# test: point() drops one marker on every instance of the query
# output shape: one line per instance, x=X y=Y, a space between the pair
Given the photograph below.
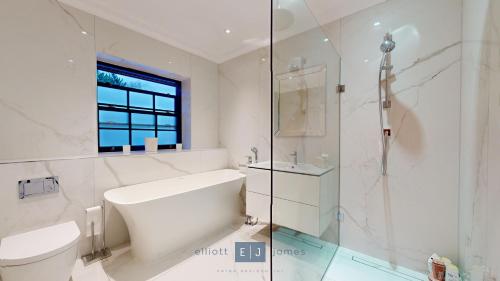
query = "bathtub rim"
x=108 y=195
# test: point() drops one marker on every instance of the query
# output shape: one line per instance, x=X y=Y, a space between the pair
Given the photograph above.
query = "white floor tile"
x=315 y=264
x=184 y=265
x=92 y=272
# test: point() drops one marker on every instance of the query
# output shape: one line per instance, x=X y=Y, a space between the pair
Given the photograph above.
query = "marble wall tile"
x=76 y=183
x=244 y=99
x=204 y=103
x=245 y=103
x=391 y=218
x=129 y=170
x=131 y=46
x=44 y=45
x=479 y=226
x=199 y=76
x=213 y=159
x=118 y=171
x=54 y=115
x=493 y=229
x=396 y=218
x=311 y=47
x=48 y=89
x=83 y=183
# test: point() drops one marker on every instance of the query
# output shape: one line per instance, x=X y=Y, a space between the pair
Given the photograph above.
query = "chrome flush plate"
x=37 y=187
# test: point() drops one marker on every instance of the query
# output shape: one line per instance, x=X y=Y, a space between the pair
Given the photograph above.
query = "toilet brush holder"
x=104 y=252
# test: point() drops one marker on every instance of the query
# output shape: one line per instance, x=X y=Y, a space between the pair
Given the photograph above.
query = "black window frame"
x=177 y=113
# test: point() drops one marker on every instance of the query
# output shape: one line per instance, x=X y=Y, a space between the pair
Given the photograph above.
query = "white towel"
x=94 y=214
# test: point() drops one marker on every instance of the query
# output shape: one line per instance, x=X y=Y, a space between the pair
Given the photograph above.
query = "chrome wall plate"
x=38 y=187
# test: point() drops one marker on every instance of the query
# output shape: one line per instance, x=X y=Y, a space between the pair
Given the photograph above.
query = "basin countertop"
x=300 y=168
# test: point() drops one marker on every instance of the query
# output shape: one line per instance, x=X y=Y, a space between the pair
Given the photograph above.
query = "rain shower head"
x=388 y=45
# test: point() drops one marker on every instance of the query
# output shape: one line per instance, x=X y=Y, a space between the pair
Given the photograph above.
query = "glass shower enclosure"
x=305 y=144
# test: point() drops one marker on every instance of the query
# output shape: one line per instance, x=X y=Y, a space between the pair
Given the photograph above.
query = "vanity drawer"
x=297 y=187
x=259 y=181
x=257 y=205
x=301 y=217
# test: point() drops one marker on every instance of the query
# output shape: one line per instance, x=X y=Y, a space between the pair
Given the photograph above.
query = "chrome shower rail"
x=387 y=46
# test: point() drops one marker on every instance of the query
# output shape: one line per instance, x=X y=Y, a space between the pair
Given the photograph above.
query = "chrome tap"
x=249 y=160
x=255 y=153
x=295 y=157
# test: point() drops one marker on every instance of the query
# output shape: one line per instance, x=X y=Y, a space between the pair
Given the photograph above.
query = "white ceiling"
x=198 y=26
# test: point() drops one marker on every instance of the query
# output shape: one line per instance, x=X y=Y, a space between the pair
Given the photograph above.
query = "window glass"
x=166 y=123
x=143 y=121
x=109 y=138
x=126 y=115
x=164 y=103
x=113 y=119
x=139 y=136
x=111 y=96
x=167 y=137
x=141 y=100
x=134 y=83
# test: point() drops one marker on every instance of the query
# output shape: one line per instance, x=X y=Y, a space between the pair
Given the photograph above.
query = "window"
x=133 y=105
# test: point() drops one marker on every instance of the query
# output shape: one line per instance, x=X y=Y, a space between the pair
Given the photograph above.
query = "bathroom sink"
x=300 y=168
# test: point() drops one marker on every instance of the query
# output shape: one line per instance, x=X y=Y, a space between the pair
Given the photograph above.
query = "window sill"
x=140 y=152
x=144 y=153
x=107 y=154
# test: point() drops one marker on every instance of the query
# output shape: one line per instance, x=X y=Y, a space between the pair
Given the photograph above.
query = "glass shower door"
x=306 y=139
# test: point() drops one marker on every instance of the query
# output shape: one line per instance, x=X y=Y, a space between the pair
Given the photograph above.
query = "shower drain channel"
x=300 y=239
x=385 y=269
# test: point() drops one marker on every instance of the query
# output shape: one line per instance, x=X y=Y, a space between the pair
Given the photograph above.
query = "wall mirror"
x=300 y=102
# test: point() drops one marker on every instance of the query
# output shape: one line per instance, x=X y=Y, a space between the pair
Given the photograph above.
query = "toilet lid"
x=38 y=245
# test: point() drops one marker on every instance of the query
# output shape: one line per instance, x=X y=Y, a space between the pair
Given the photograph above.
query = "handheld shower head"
x=388 y=45
x=385 y=65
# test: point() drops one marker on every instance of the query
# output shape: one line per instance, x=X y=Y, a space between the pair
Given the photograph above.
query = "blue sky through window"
x=111 y=96
x=136 y=83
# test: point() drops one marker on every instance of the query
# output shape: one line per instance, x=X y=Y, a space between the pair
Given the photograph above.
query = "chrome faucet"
x=249 y=160
x=295 y=157
x=255 y=153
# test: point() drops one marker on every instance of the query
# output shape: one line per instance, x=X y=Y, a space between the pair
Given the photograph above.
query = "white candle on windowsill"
x=178 y=147
x=126 y=149
x=151 y=144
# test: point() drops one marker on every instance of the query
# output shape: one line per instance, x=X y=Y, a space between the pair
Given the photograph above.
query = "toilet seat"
x=37 y=245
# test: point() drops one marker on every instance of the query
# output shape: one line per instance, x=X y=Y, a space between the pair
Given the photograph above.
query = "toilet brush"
x=104 y=252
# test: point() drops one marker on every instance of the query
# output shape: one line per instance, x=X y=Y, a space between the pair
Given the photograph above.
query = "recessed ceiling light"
x=263 y=59
x=170 y=62
x=84 y=32
x=325 y=40
x=377 y=23
x=366 y=60
x=227 y=31
x=71 y=61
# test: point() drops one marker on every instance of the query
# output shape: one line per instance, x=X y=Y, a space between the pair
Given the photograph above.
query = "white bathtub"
x=166 y=215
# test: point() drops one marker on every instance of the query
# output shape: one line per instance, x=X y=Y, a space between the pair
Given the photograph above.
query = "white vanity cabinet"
x=303 y=199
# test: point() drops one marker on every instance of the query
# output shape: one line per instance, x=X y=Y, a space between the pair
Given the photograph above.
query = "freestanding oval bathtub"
x=166 y=215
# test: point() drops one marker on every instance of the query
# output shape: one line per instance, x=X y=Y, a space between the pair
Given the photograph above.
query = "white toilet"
x=47 y=254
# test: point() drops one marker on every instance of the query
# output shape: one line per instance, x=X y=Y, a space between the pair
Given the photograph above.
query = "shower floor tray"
x=350 y=265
